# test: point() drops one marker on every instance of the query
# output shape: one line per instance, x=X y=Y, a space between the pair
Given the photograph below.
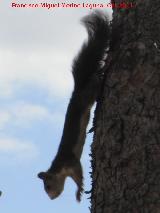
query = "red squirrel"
x=87 y=74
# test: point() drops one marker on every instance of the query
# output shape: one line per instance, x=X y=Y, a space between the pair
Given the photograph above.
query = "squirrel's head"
x=53 y=183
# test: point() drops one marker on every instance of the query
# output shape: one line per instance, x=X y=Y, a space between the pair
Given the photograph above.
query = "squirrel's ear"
x=42 y=175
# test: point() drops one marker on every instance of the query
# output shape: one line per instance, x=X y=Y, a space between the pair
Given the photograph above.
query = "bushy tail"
x=88 y=60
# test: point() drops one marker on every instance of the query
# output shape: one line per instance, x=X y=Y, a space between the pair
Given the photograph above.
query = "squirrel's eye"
x=48 y=187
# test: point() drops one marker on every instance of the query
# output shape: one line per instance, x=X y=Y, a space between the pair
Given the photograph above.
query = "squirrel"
x=87 y=75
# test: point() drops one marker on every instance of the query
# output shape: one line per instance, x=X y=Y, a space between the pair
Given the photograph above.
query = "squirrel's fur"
x=87 y=76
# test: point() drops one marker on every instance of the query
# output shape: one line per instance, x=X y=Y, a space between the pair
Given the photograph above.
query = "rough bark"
x=126 y=146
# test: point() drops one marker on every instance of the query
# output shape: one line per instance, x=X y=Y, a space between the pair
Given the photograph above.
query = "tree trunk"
x=126 y=146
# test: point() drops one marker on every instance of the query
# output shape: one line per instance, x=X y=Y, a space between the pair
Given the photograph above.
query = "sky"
x=37 y=46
